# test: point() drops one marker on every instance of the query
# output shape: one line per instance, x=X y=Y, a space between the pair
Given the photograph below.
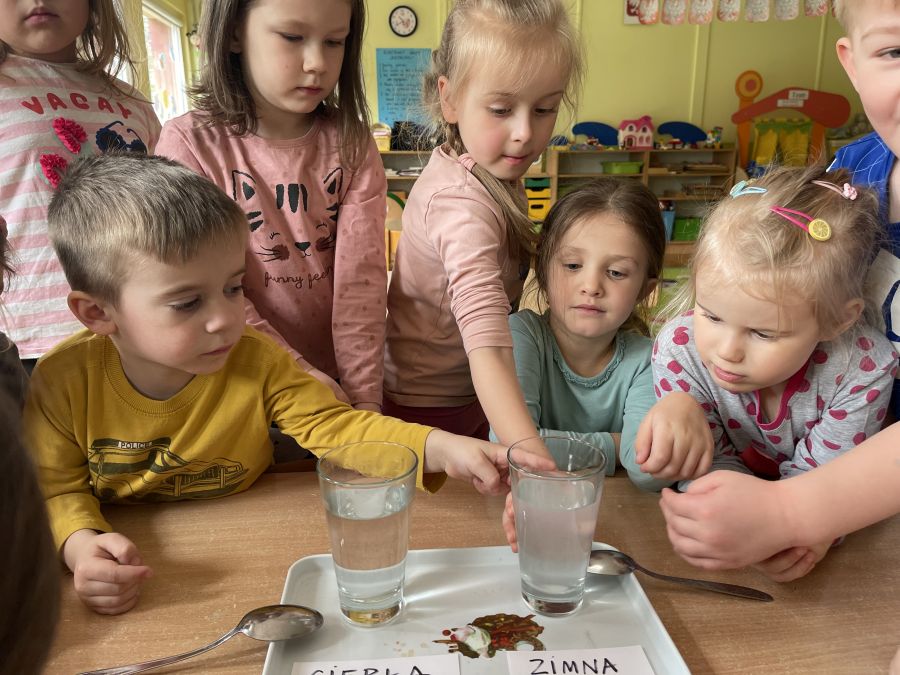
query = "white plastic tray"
x=448 y=588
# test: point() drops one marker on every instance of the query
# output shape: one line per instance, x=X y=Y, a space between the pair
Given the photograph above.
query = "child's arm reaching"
x=494 y=377
x=470 y=240
x=674 y=440
x=108 y=570
x=727 y=520
x=479 y=462
x=672 y=436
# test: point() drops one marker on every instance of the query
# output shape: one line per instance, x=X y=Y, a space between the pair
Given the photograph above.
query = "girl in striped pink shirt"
x=57 y=102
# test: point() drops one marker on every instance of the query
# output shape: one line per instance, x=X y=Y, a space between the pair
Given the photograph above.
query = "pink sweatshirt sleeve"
x=469 y=238
x=360 y=283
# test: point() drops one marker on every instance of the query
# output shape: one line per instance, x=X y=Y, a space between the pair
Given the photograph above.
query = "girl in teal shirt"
x=584 y=364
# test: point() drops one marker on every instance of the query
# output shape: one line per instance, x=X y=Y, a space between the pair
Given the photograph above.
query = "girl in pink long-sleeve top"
x=281 y=128
x=496 y=83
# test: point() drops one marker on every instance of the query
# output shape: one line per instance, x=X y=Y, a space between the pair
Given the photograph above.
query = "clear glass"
x=556 y=515
x=367 y=489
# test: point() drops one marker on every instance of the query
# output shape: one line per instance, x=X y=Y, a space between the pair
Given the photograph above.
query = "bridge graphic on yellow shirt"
x=148 y=471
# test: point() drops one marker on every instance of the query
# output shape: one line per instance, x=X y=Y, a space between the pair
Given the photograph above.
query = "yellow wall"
x=670 y=72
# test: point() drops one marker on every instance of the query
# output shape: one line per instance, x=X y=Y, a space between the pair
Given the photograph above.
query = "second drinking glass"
x=556 y=515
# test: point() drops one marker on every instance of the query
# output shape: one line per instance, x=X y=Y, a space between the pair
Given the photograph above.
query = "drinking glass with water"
x=556 y=515
x=367 y=488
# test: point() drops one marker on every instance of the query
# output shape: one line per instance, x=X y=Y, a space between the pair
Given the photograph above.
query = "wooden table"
x=215 y=560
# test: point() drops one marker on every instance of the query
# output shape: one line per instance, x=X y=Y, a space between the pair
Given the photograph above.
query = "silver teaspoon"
x=271 y=623
x=616 y=563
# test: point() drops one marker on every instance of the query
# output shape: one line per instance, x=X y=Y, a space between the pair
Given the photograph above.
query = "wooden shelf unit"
x=567 y=168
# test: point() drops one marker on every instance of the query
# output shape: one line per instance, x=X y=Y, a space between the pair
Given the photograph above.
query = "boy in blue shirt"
x=870 y=53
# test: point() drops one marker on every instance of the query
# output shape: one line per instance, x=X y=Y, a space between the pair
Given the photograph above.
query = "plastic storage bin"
x=622 y=167
x=383 y=143
x=669 y=221
x=536 y=183
x=538 y=208
x=542 y=193
x=686 y=229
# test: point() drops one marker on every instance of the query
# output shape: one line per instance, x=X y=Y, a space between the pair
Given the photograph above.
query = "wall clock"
x=403 y=20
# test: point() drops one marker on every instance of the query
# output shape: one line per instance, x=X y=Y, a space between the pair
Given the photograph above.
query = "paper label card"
x=445 y=664
x=612 y=661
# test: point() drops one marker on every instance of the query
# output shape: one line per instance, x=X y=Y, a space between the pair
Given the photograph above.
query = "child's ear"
x=852 y=311
x=94 y=314
x=448 y=110
x=845 y=56
x=649 y=287
x=235 y=45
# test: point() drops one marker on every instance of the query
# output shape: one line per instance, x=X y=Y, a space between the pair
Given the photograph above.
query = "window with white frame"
x=164 y=34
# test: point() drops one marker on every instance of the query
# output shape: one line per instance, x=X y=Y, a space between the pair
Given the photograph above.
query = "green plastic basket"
x=622 y=167
x=686 y=229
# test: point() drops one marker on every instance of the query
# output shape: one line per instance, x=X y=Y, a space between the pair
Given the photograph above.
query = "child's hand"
x=674 y=441
x=793 y=563
x=372 y=407
x=482 y=463
x=108 y=570
x=727 y=520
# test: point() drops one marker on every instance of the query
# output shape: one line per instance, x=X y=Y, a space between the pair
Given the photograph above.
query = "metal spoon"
x=616 y=563
x=271 y=623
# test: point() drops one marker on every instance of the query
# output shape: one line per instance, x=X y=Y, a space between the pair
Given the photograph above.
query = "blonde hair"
x=526 y=35
x=743 y=242
x=630 y=201
x=103 y=49
x=842 y=12
x=111 y=208
x=844 y=9
x=222 y=95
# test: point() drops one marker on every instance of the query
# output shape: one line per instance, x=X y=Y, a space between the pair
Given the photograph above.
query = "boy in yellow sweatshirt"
x=167 y=394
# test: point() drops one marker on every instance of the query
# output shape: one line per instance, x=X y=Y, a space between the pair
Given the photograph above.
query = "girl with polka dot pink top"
x=774 y=346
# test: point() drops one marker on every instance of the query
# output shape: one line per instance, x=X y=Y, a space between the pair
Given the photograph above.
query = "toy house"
x=636 y=134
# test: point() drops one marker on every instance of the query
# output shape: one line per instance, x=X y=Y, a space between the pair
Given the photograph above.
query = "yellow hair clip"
x=817 y=228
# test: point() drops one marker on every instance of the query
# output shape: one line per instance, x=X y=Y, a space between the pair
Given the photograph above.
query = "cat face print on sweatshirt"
x=310 y=215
